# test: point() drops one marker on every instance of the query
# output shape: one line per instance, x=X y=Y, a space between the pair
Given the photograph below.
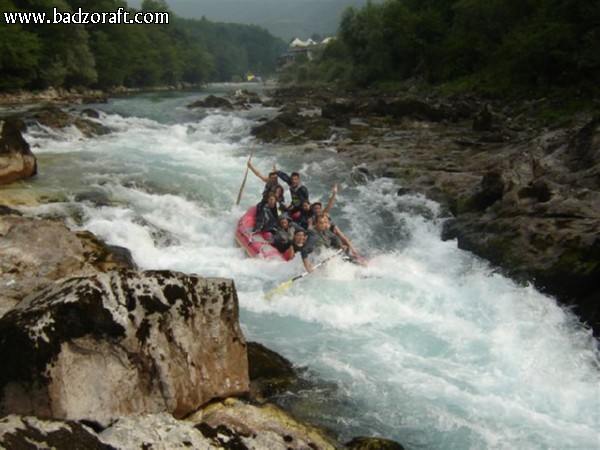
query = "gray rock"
x=35 y=253
x=56 y=118
x=17 y=162
x=369 y=443
x=259 y=427
x=230 y=424
x=212 y=101
x=25 y=433
x=100 y=347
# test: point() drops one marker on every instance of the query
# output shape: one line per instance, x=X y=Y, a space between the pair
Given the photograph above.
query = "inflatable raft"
x=255 y=244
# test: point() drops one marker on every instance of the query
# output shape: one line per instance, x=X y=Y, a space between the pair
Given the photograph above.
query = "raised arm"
x=256 y=172
x=331 y=201
x=284 y=176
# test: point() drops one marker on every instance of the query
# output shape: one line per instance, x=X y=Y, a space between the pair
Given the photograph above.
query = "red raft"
x=255 y=244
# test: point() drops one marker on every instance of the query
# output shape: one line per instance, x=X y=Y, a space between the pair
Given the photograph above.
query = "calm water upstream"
x=427 y=346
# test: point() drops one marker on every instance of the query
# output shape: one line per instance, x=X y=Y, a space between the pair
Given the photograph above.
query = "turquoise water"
x=428 y=345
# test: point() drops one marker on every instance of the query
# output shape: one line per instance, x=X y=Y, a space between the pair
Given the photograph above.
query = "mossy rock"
x=271 y=131
x=369 y=443
x=319 y=132
x=270 y=373
x=212 y=101
x=103 y=256
x=58 y=119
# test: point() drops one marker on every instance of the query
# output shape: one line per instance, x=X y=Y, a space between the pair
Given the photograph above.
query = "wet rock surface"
x=102 y=356
x=100 y=347
x=212 y=101
x=35 y=253
x=24 y=433
x=58 y=119
x=519 y=193
x=226 y=424
x=17 y=162
x=270 y=373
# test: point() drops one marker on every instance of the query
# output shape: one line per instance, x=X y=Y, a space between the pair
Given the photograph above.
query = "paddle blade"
x=239 y=197
x=282 y=287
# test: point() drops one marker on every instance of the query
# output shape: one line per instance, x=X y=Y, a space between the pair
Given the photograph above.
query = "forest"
x=103 y=56
x=495 y=47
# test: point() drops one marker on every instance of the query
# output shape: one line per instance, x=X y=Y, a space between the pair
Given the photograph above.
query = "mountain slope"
x=283 y=18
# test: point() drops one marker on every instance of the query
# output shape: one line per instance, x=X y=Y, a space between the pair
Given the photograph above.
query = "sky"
x=286 y=19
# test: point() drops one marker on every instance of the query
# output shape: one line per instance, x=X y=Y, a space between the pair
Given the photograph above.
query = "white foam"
x=434 y=346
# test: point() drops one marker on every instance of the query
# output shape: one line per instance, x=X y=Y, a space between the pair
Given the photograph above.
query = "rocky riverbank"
x=91 y=339
x=520 y=193
x=100 y=355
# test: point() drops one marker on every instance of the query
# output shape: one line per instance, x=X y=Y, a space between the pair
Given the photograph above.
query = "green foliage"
x=19 y=57
x=496 y=47
x=233 y=49
x=130 y=55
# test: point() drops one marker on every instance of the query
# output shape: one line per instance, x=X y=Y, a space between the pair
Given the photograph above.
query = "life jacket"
x=268 y=189
x=266 y=218
x=303 y=218
x=299 y=194
x=326 y=239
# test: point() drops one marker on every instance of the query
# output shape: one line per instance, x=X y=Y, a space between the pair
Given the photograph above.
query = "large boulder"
x=270 y=373
x=369 y=443
x=35 y=253
x=212 y=101
x=271 y=131
x=17 y=162
x=228 y=424
x=22 y=433
x=267 y=426
x=100 y=347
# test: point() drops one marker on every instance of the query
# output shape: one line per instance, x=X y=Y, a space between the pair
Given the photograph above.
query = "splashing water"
x=427 y=345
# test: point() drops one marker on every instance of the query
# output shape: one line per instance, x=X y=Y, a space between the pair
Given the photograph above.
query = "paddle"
x=288 y=283
x=239 y=198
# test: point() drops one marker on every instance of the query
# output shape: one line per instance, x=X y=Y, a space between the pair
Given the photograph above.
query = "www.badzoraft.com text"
x=120 y=16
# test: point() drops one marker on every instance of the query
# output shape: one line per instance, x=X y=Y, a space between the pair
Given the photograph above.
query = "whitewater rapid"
x=428 y=345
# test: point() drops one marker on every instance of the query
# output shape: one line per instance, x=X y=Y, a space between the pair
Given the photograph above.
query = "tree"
x=19 y=57
x=132 y=55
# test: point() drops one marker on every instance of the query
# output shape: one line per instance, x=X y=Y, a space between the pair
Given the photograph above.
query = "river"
x=428 y=345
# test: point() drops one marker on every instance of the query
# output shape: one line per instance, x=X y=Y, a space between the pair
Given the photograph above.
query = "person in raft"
x=298 y=191
x=266 y=215
x=284 y=235
x=317 y=209
x=271 y=181
x=321 y=237
x=280 y=196
x=306 y=217
x=299 y=247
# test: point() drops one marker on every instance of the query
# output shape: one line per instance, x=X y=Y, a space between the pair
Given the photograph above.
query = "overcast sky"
x=283 y=18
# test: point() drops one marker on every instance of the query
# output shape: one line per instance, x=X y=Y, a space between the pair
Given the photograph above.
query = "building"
x=298 y=48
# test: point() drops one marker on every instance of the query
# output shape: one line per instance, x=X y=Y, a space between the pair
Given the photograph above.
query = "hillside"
x=284 y=18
